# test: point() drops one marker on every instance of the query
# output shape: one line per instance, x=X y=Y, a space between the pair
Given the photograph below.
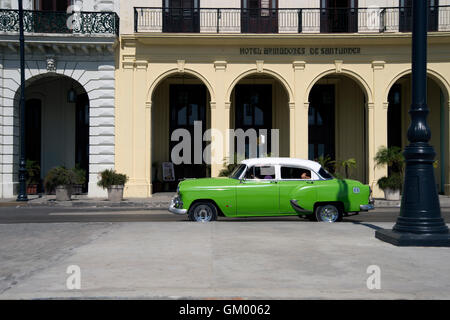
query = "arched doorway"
x=180 y=105
x=337 y=120
x=260 y=102
x=56 y=128
x=399 y=103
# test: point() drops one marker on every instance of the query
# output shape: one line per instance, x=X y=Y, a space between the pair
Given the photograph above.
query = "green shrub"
x=59 y=176
x=80 y=173
x=33 y=172
x=110 y=177
x=394 y=181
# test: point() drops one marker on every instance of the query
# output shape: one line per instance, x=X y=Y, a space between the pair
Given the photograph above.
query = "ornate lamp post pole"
x=420 y=222
x=22 y=196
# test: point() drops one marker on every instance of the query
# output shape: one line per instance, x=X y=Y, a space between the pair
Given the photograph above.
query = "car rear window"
x=325 y=174
x=295 y=173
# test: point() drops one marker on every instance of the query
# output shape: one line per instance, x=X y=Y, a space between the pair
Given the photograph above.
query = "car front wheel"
x=328 y=213
x=203 y=212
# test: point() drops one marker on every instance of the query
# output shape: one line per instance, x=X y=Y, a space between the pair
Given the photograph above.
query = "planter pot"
x=391 y=194
x=115 y=193
x=32 y=188
x=77 y=189
x=63 y=193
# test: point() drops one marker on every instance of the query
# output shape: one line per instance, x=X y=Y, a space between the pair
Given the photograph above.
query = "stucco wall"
x=95 y=74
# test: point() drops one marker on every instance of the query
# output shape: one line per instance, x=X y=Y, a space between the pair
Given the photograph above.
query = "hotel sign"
x=300 y=51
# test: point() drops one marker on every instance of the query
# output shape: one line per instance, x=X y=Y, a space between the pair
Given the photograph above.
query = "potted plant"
x=391 y=184
x=33 y=176
x=347 y=165
x=114 y=182
x=80 y=179
x=61 y=180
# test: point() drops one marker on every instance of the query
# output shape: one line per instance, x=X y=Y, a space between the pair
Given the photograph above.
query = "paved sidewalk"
x=158 y=200
x=224 y=259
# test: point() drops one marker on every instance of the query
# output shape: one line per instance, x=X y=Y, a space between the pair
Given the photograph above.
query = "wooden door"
x=259 y=16
x=181 y=16
x=338 y=16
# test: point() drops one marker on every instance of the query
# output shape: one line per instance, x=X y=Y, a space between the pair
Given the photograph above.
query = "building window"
x=52 y=5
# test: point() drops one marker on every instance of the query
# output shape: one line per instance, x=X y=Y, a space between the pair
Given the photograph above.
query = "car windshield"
x=237 y=172
x=325 y=174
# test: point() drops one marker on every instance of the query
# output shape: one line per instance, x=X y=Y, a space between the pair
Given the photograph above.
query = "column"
x=377 y=123
x=299 y=112
x=139 y=184
x=124 y=112
x=220 y=117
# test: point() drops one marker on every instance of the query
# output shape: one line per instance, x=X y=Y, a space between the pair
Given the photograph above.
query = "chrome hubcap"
x=203 y=213
x=329 y=214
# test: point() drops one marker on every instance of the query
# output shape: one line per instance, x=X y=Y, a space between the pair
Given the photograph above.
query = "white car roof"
x=315 y=166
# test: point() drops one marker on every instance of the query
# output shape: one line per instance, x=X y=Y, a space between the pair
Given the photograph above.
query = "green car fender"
x=350 y=194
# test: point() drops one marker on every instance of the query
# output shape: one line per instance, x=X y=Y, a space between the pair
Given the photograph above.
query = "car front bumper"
x=174 y=204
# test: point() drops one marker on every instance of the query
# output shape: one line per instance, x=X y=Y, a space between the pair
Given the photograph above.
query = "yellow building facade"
x=363 y=77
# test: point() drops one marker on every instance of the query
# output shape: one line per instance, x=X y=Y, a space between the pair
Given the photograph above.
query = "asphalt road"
x=19 y=214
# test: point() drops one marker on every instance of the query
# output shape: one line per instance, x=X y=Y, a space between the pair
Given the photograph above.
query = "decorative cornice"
x=128 y=61
x=306 y=105
x=385 y=105
x=378 y=65
x=299 y=65
x=148 y=105
x=227 y=105
x=370 y=105
x=212 y=104
x=180 y=65
x=220 y=65
x=338 y=65
x=292 y=105
x=259 y=65
x=141 y=64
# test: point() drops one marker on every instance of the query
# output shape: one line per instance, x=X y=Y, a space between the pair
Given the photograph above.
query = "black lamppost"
x=420 y=222
x=22 y=195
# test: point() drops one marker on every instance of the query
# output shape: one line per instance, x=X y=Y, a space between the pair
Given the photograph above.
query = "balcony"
x=301 y=20
x=97 y=23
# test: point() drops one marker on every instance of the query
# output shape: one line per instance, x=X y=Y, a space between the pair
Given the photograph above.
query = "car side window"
x=260 y=173
x=295 y=173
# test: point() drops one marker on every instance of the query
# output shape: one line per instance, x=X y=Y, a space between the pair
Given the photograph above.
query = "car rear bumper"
x=366 y=207
x=173 y=206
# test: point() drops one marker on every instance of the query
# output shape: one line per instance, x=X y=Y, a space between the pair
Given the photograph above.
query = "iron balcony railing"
x=301 y=20
x=60 y=22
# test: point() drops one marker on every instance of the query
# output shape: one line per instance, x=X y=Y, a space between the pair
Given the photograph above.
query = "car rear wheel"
x=203 y=212
x=328 y=213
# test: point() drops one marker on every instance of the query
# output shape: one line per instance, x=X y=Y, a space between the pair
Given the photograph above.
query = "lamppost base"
x=405 y=239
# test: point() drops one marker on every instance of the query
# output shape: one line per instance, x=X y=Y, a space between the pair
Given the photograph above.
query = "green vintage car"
x=272 y=187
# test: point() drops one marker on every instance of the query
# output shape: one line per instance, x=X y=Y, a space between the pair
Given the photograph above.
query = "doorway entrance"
x=254 y=111
x=321 y=119
x=188 y=105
